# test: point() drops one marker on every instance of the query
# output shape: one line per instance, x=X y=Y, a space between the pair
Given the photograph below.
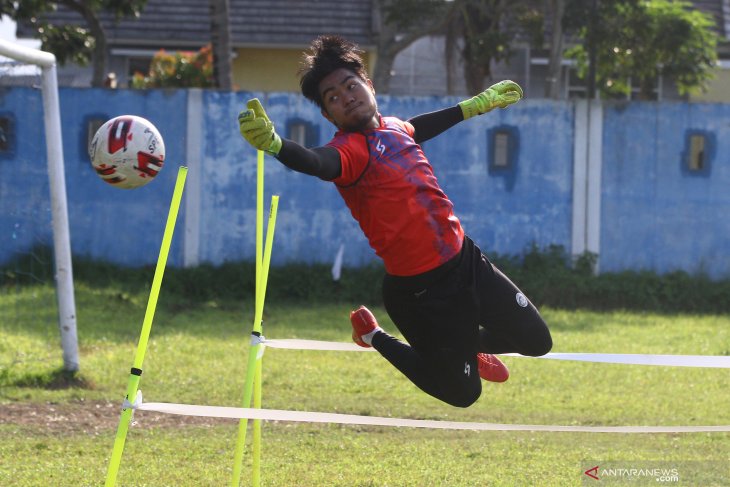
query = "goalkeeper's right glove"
x=257 y=129
x=499 y=95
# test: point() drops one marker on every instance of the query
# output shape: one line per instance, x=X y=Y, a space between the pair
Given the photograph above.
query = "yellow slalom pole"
x=256 y=476
x=255 y=351
x=259 y=364
x=136 y=371
x=259 y=222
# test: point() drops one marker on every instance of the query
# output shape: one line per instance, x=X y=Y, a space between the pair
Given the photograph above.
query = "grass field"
x=55 y=433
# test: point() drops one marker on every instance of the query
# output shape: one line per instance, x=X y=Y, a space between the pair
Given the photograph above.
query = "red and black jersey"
x=389 y=186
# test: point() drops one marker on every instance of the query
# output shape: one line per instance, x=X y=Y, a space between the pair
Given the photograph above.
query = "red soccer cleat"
x=491 y=368
x=363 y=322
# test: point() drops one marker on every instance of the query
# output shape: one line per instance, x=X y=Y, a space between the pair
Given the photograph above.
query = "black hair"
x=326 y=54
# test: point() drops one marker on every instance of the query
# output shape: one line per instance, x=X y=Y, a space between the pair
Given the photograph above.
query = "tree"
x=556 y=8
x=486 y=30
x=79 y=44
x=479 y=31
x=398 y=24
x=490 y=27
x=220 y=37
x=636 y=42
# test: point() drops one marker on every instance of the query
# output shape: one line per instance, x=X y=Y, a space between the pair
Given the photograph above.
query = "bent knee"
x=539 y=348
x=465 y=399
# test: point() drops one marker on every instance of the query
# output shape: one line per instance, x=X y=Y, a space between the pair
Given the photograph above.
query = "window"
x=502 y=154
x=298 y=133
x=302 y=132
x=92 y=124
x=502 y=148
x=698 y=153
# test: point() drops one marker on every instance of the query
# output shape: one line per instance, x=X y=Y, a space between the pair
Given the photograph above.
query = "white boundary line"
x=706 y=361
x=315 y=417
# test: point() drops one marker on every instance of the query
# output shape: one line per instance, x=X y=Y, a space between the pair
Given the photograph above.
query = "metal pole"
x=59 y=215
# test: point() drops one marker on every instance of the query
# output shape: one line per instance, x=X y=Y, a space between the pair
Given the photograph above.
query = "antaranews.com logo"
x=652 y=473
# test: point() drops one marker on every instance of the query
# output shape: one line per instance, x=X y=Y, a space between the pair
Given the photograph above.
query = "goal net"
x=27 y=257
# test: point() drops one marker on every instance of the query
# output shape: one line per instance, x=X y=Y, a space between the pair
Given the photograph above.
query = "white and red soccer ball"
x=127 y=152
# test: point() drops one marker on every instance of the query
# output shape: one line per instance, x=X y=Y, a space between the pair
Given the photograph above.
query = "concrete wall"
x=604 y=178
x=656 y=214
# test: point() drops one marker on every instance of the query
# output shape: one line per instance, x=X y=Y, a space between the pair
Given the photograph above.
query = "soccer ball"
x=127 y=152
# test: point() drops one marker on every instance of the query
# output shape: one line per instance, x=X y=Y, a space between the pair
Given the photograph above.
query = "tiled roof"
x=292 y=22
x=180 y=23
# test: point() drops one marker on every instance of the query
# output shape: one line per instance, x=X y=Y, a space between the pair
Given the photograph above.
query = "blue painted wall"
x=504 y=213
x=655 y=215
x=24 y=200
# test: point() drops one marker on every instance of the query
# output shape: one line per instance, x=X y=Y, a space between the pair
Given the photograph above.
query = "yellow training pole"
x=256 y=347
x=236 y=479
x=256 y=476
x=259 y=221
x=259 y=365
x=136 y=371
x=259 y=362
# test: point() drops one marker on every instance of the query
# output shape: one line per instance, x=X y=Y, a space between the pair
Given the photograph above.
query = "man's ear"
x=370 y=84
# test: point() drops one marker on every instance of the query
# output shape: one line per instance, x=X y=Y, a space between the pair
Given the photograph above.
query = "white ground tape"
x=711 y=361
x=311 y=417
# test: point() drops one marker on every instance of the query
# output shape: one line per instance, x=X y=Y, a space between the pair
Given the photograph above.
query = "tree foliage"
x=490 y=28
x=479 y=32
x=221 y=41
x=636 y=42
x=78 y=43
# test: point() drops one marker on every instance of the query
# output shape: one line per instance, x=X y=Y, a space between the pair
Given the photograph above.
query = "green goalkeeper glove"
x=257 y=129
x=500 y=95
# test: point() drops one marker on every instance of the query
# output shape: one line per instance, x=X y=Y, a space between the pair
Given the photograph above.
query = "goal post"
x=57 y=183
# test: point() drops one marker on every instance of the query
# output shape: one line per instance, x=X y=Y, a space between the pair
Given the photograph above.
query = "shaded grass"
x=52 y=380
x=550 y=276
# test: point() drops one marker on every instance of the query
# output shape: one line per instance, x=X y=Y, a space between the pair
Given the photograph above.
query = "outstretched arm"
x=258 y=130
x=323 y=162
x=429 y=125
x=499 y=95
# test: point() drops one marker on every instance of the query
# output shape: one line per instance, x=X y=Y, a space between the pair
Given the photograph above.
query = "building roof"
x=267 y=23
x=261 y=23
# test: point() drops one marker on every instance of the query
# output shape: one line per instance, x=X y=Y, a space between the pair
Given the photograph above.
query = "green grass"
x=197 y=354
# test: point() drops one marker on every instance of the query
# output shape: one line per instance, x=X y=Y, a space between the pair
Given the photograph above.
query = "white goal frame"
x=57 y=182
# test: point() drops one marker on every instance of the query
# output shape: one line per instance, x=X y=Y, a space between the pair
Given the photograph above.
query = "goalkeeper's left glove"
x=499 y=95
x=257 y=129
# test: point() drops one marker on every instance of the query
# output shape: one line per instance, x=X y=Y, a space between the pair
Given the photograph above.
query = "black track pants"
x=451 y=313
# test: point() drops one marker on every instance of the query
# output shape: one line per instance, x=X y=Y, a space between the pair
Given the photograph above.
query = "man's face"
x=348 y=101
